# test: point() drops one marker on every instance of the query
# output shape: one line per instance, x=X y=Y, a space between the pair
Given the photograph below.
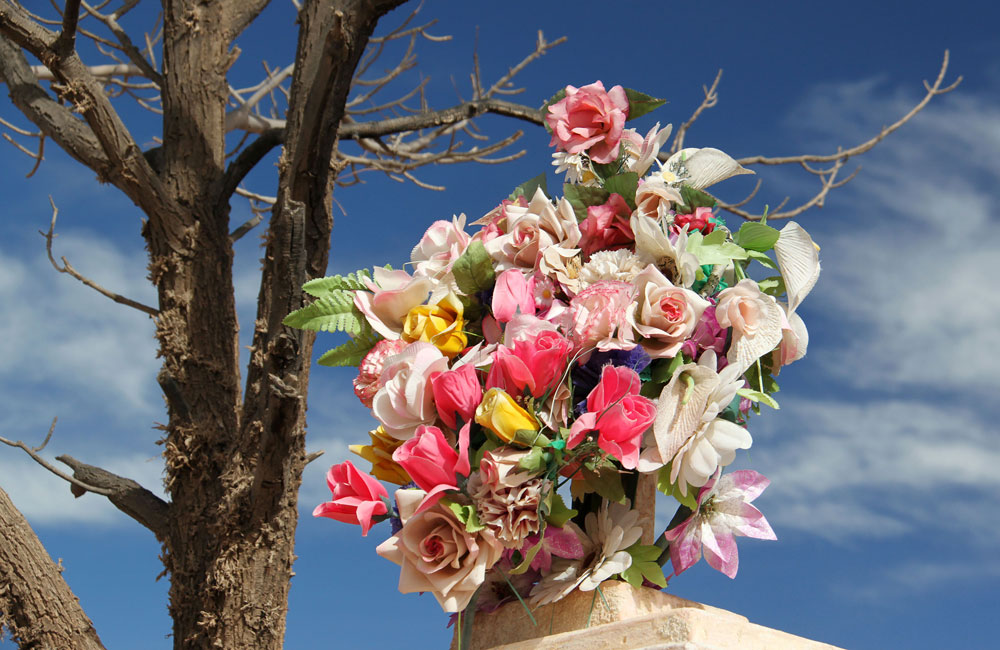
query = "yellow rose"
x=440 y=325
x=499 y=413
x=379 y=454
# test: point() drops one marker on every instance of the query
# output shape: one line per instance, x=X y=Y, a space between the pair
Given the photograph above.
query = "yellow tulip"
x=499 y=413
x=379 y=454
x=440 y=324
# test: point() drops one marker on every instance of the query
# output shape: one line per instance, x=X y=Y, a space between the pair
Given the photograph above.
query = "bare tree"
x=234 y=451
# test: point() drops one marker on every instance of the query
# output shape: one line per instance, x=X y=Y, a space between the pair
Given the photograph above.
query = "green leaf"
x=352 y=352
x=330 y=313
x=713 y=248
x=694 y=199
x=773 y=286
x=465 y=514
x=607 y=482
x=473 y=271
x=581 y=198
x=530 y=438
x=644 y=565
x=756 y=236
x=545 y=107
x=528 y=558
x=757 y=396
x=763 y=259
x=534 y=462
x=624 y=184
x=664 y=485
x=640 y=103
x=528 y=187
x=558 y=514
x=325 y=286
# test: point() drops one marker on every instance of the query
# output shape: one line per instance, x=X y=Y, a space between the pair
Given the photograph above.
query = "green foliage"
x=762 y=258
x=581 y=197
x=694 y=199
x=474 y=269
x=352 y=352
x=333 y=312
x=331 y=284
x=528 y=187
x=756 y=236
x=640 y=103
x=714 y=248
x=466 y=514
x=558 y=514
x=773 y=286
x=644 y=565
x=756 y=396
x=606 y=481
x=664 y=485
x=624 y=184
x=534 y=462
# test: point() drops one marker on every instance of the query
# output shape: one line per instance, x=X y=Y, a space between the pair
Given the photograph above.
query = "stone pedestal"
x=630 y=619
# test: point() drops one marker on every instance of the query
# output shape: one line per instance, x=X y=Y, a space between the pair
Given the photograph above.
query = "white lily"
x=700 y=168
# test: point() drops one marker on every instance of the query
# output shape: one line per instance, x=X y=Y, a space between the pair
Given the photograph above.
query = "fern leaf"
x=325 y=286
x=352 y=352
x=334 y=312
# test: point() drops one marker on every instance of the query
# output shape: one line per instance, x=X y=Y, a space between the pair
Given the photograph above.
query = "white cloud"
x=58 y=334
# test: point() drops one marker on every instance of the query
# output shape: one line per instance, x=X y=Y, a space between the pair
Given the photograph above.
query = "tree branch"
x=711 y=99
x=68 y=269
x=126 y=167
x=128 y=496
x=36 y=605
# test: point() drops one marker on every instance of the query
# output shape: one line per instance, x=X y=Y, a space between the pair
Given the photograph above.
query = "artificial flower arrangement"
x=592 y=340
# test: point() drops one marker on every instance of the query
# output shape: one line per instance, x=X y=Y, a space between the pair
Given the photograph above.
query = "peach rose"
x=664 y=315
x=437 y=554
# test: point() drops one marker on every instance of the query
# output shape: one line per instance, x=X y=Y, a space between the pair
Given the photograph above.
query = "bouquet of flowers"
x=528 y=376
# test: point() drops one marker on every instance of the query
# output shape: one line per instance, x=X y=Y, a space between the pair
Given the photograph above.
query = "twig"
x=711 y=99
x=33 y=452
x=68 y=269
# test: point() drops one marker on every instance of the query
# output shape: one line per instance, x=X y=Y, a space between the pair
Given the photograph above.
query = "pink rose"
x=756 y=320
x=432 y=462
x=654 y=198
x=536 y=364
x=366 y=383
x=618 y=413
x=589 y=119
x=700 y=220
x=664 y=315
x=529 y=229
x=405 y=399
x=513 y=293
x=357 y=497
x=442 y=244
x=437 y=554
x=457 y=393
x=606 y=226
x=600 y=316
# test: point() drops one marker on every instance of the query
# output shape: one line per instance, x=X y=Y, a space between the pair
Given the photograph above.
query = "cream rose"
x=530 y=230
x=756 y=320
x=404 y=399
x=437 y=554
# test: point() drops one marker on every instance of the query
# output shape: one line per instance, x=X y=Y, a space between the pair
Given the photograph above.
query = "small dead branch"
x=33 y=452
x=68 y=269
x=828 y=177
x=711 y=99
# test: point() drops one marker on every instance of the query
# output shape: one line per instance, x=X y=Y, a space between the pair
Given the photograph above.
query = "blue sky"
x=885 y=494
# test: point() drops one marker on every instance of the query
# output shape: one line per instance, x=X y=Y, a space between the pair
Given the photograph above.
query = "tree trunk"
x=233 y=470
x=36 y=605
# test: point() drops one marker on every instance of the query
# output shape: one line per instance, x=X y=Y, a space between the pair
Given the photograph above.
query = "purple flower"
x=724 y=511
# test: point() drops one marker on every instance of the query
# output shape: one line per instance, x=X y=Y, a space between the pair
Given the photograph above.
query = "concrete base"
x=630 y=619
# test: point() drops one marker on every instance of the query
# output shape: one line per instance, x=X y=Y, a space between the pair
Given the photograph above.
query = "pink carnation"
x=589 y=119
x=599 y=315
x=366 y=383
